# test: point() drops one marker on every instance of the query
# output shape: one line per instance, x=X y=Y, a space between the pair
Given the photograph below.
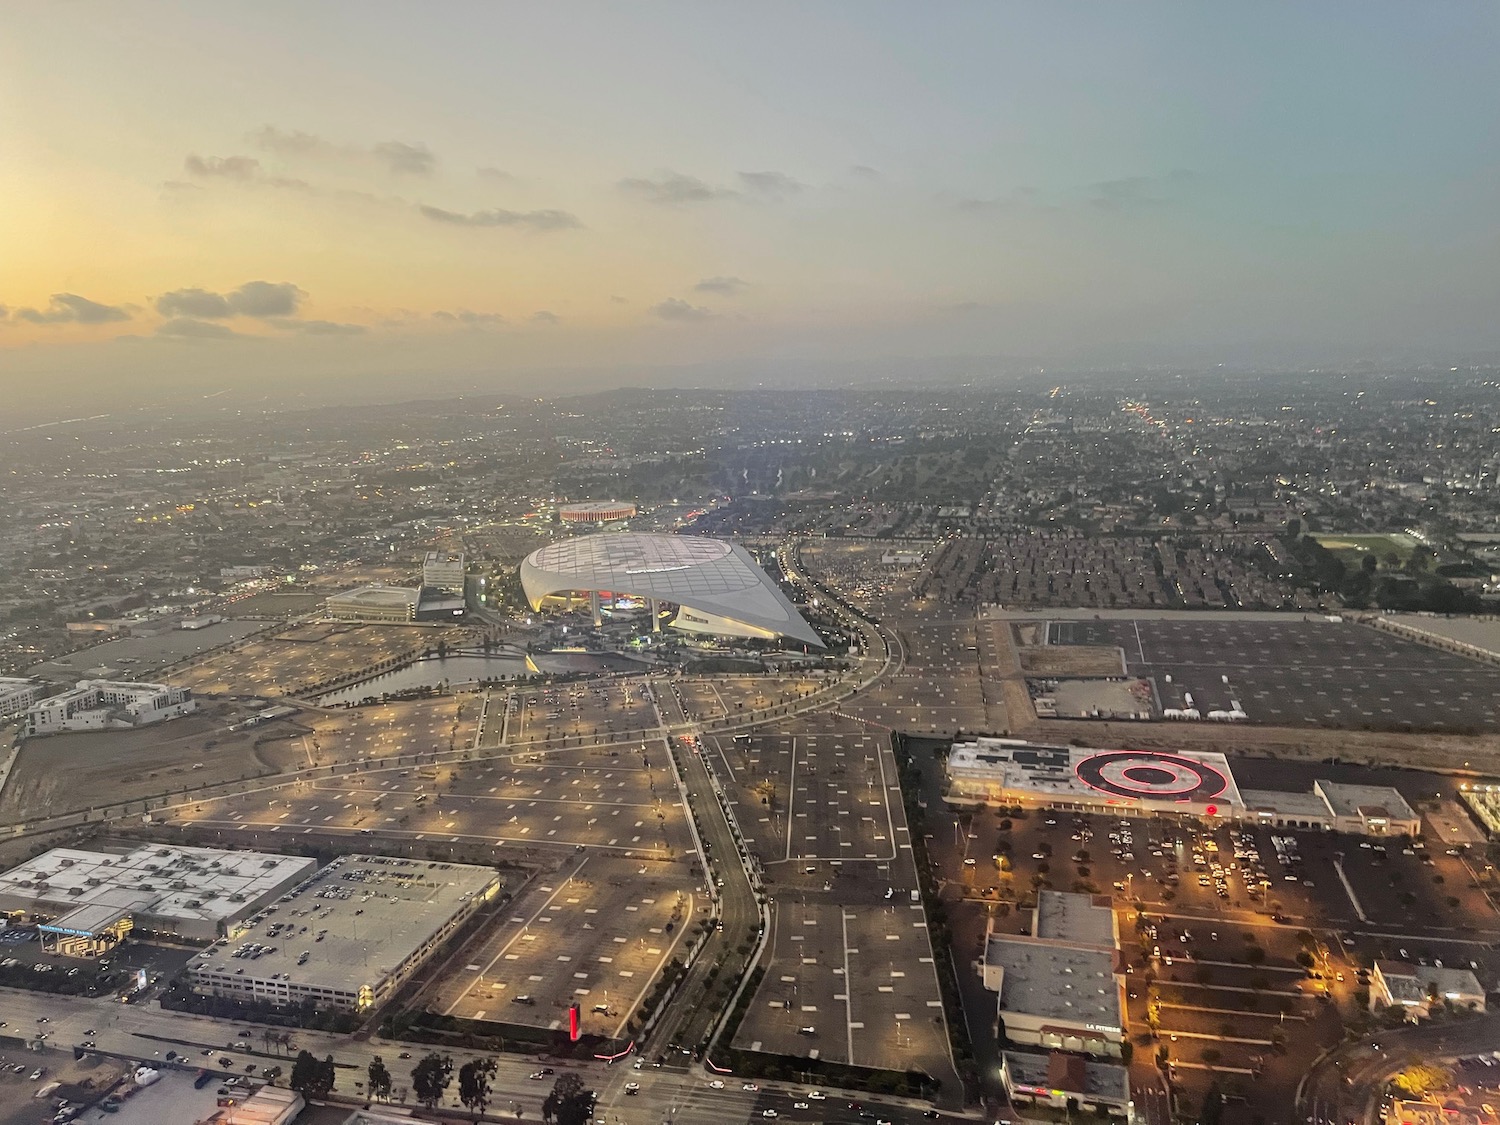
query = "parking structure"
x=1316 y=672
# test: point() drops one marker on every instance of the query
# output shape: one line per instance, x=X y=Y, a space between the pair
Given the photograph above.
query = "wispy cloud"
x=495 y=175
x=319 y=327
x=674 y=308
x=469 y=318
x=544 y=220
x=188 y=328
x=770 y=185
x=243 y=168
x=544 y=316
x=1139 y=192
x=254 y=299
x=865 y=172
x=70 y=308
x=673 y=189
x=724 y=286
x=400 y=157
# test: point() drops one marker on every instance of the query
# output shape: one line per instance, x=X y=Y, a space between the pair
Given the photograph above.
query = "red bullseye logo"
x=1152 y=776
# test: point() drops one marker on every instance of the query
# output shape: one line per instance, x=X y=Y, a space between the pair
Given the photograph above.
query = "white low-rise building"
x=108 y=704
x=1059 y=987
x=1421 y=988
x=17 y=696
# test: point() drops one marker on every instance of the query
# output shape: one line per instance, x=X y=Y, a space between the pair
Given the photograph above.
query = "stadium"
x=715 y=587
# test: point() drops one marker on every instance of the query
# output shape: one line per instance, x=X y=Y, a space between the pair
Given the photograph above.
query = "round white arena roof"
x=707 y=575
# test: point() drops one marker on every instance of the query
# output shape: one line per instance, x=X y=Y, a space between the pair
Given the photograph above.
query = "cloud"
x=466 y=317
x=531 y=220
x=266 y=299
x=194 y=302
x=674 y=308
x=619 y=300
x=241 y=168
x=295 y=143
x=545 y=316
x=1138 y=192
x=4 y=312
x=69 y=308
x=865 y=172
x=673 y=189
x=770 y=185
x=398 y=156
x=186 y=328
x=319 y=327
x=495 y=175
x=725 y=286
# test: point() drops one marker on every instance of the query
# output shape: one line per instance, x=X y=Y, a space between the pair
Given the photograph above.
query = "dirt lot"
x=64 y=772
x=1072 y=660
x=290 y=662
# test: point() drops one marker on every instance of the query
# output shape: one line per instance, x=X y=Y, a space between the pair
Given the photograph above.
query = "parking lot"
x=1314 y=672
x=596 y=932
x=615 y=799
x=850 y=975
x=564 y=713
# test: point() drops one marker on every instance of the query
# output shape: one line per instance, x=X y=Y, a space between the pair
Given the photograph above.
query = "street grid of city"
x=665 y=813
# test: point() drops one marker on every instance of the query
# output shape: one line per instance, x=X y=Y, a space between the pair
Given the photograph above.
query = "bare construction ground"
x=291 y=662
x=1072 y=660
x=66 y=772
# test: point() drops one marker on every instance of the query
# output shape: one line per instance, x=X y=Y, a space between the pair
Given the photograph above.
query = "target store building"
x=1007 y=771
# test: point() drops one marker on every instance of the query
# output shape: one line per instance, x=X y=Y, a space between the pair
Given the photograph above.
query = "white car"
x=749 y=1086
x=800 y=1105
x=769 y=1113
x=816 y=1095
x=716 y=1084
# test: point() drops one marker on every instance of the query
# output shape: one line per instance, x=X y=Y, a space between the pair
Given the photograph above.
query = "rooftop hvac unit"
x=67 y=862
x=75 y=890
x=93 y=881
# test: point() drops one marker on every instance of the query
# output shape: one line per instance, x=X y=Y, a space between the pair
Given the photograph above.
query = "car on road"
x=632 y=1088
x=800 y=1105
x=716 y=1084
x=749 y=1086
x=769 y=1113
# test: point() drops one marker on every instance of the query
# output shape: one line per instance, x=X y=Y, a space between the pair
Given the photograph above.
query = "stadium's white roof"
x=707 y=575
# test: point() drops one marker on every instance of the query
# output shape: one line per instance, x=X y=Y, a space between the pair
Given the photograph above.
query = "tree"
x=380 y=1079
x=1420 y=1079
x=430 y=1077
x=311 y=1078
x=568 y=1103
x=474 y=1084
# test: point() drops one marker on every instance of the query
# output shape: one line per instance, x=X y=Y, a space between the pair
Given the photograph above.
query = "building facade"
x=444 y=571
x=17 y=696
x=108 y=705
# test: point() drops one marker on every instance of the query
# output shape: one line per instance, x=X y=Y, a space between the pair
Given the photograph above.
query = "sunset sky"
x=209 y=194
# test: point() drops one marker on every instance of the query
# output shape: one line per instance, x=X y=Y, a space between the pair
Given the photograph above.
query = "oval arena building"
x=716 y=587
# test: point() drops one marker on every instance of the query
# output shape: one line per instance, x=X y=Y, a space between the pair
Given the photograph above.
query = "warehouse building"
x=88 y=901
x=1058 y=987
x=108 y=705
x=347 y=938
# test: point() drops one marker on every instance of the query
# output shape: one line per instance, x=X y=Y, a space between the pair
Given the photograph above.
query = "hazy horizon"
x=356 y=200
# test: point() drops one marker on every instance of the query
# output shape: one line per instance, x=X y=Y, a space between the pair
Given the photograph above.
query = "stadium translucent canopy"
x=718 y=580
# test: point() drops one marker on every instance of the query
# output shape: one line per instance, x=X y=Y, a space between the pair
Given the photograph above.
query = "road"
x=689 y=1017
x=1345 y=1085
x=147 y=1033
